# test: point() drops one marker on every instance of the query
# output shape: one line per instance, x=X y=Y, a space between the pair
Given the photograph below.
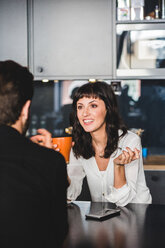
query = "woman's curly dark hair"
x=83 y=140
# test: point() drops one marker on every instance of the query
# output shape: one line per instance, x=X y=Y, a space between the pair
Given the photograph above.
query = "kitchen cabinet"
x=61 y=39
x=13 y=28
x=71 y=39
x=155 y=181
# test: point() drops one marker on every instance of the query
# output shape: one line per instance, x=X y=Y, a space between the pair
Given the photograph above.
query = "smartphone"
x=103 y=214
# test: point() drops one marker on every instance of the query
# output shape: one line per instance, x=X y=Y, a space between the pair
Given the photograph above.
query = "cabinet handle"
x=40 y=69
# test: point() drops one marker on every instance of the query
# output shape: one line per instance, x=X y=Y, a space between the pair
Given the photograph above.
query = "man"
x=33 y=178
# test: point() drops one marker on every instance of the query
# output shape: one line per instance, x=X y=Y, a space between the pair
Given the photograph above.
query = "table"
x=137 y=226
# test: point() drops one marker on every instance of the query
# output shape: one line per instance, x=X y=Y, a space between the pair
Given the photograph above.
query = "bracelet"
x=119 y=165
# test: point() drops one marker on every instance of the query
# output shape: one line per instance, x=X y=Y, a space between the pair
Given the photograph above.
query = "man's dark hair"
x=16 y=87
x=83 y=140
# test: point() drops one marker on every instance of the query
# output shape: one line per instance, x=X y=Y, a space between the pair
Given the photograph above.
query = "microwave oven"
x=140 y=50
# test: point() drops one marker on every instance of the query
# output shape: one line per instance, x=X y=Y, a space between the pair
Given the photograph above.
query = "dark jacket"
x=33 y=184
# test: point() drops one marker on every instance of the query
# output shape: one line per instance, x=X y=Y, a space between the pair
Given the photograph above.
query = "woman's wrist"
x=119 y=165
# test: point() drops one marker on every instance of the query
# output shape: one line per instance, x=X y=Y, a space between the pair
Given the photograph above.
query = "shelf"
x=141 y=21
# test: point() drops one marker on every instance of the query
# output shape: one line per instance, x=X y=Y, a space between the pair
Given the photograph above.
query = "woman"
x=104 y=150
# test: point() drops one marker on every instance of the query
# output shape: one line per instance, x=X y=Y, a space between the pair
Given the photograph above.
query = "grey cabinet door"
x=156 y=182
x=13 y=30
x=72 y=39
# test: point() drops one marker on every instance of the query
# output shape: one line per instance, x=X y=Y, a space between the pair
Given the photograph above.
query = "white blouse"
x=101 y=186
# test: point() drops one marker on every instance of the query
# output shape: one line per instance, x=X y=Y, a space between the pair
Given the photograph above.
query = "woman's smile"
x=87 y=121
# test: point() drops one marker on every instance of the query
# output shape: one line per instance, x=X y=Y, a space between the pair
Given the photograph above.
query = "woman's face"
x=91 y=113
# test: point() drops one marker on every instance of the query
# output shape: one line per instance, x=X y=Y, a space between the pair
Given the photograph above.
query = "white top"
x=103 y=173
x=101 y=187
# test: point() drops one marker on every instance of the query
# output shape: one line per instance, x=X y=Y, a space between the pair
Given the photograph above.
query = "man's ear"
x=25 y=110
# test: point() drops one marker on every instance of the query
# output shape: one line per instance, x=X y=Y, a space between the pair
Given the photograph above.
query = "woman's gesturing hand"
x=127 y=157
x=43 y=138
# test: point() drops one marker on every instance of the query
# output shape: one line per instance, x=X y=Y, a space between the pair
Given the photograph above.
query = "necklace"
x=101 y=156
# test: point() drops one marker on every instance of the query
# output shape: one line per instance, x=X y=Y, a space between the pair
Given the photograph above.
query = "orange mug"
x=64 y=144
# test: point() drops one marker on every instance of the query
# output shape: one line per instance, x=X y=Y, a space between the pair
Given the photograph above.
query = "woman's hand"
x=127 y=157
x=43 y=138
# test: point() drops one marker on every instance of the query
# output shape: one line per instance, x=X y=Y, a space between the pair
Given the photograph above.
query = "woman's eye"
x=79 y=107
x=94 y=106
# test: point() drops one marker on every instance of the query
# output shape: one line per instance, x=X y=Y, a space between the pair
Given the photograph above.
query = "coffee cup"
x=64 y=144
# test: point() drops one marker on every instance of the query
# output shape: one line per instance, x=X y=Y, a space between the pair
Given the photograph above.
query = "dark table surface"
x=137 y=226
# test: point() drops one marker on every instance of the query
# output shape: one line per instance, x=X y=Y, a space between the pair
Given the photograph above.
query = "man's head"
x=16 y=91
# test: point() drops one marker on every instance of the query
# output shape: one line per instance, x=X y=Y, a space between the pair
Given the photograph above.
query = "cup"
x=64 y=144
x=144 y=152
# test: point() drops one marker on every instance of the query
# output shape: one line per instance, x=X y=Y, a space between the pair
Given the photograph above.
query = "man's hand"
x=43 y=138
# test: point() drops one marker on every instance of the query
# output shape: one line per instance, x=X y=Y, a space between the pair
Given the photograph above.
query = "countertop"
x=154 y=162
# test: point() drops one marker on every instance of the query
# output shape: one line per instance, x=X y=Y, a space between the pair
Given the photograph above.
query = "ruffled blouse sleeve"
x=76 y=174
x=136 y=184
